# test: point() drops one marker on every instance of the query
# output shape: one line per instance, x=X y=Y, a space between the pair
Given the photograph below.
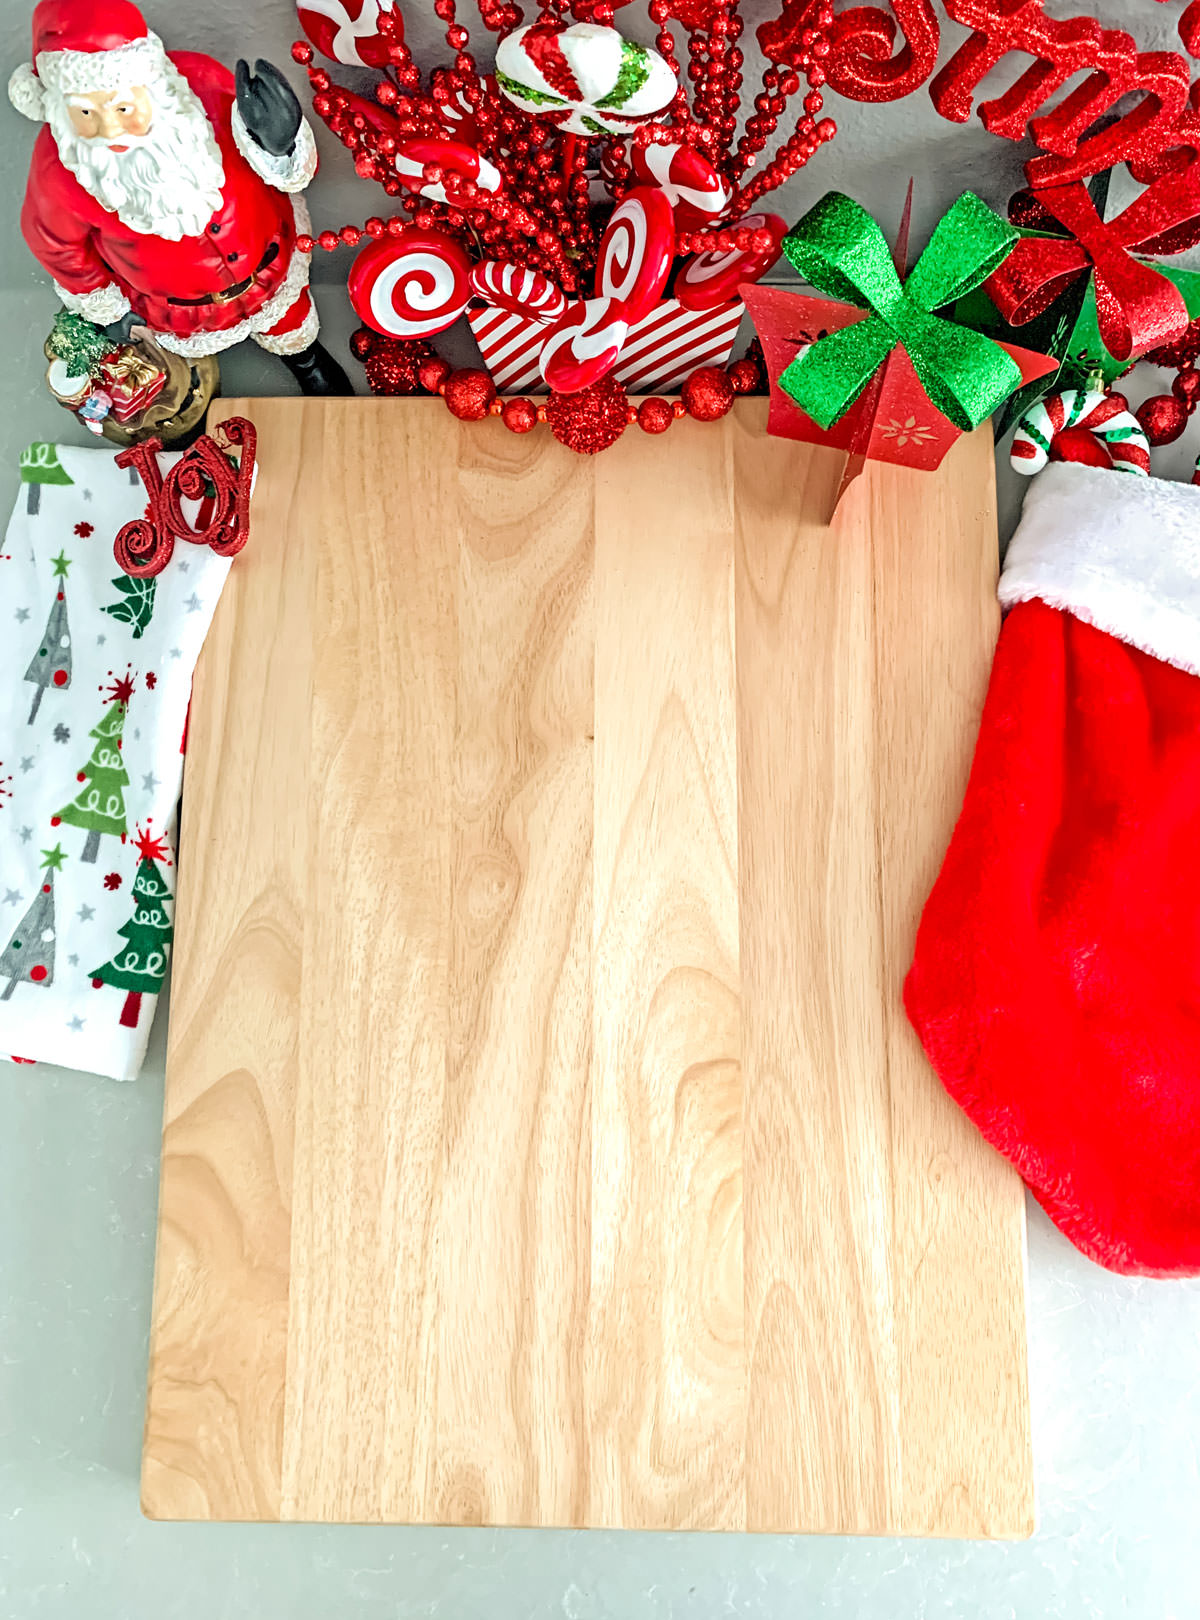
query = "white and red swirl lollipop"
x=708 y=280
x=411 y=285
x=454 y=157
x=585 y=345
x=695 y=189
x=636 y=252
x=348 y=30
x=518 y=289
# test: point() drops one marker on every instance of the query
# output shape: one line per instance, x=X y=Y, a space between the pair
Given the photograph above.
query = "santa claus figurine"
x=166 y=194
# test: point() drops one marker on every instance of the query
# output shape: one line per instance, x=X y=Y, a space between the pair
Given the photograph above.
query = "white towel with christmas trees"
x=95 y=680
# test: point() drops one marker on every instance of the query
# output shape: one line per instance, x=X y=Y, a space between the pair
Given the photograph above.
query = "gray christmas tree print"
x=28 y=958
x=51 y=663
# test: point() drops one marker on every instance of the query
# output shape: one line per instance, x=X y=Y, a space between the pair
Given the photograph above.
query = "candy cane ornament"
x=1105 y=416
x=708 y=280
x=411 y=285
x=636 y=251
x=348 y=30
x=518 y=289
x=455 y=157
x=585 y=345
x=585 y=79
x=694 y=188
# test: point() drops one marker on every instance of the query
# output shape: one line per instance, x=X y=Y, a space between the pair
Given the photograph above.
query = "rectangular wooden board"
x=545 y=1143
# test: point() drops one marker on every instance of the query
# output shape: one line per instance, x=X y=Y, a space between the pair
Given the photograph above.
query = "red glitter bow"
x=1137 y=308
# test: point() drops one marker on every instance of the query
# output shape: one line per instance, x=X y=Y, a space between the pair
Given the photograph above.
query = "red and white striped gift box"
x=660 y=351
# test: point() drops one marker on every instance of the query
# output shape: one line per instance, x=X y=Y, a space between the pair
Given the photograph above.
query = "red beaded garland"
x=590 y=420
x=1163 y=418
x=520 y=415
x=433 y=372
x=469 y=394
x=655 y=415
x=707 y=394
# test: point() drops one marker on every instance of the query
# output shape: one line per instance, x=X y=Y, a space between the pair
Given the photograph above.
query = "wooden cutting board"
x=545 y=1143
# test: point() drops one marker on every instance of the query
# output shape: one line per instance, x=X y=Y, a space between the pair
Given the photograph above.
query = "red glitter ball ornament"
x=590 y=420
x=1163 y=418
x=1186 y=387
x=469 y=394
x=707 y=394
x=392 y=364
x=655 y=415
x=519 y=415
x=743 y=374
x=433 y=372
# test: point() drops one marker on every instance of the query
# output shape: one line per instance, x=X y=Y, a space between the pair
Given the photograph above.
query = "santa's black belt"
x=228 y=294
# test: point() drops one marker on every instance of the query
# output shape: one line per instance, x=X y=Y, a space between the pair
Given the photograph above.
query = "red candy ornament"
x=636 y=252
x=591 y=420
x=412 y=284
x=710 y=279
x=585 y=345
x=518 y=289
x=348 y=30
x=686 y=178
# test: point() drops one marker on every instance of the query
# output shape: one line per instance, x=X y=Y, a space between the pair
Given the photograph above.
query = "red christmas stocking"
x=1056 y=979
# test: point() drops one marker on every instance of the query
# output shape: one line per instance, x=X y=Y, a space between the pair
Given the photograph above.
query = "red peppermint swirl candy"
x=636 y=252
x=456 y=157
x=517 y=288
x=348 y=30
x=585 y=345
x=695 y=189
x=708 y=280
x=410 y=285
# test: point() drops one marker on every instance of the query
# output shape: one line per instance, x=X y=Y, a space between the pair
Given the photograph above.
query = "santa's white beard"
x=169 y=182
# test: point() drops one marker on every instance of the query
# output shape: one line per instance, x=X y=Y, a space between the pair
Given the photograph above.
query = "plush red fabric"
x=1056 y=979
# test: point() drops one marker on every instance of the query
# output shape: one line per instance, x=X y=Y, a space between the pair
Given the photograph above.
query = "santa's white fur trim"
x=292 y=342
x=26 y=93
x=1118 y=552
x=272 y=312
x=75 y=73
x=102 y=307
x=291 y=171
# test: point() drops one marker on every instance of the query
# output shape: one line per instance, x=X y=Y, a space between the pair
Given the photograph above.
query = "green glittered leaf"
x=525 y=92
x=634 y=71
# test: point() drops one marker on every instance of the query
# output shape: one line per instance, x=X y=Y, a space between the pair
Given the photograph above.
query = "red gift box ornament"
x=883 y=377
x=1137 y=308
x=838 y=248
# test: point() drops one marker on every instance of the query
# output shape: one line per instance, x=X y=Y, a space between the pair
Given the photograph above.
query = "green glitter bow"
x=838 y=248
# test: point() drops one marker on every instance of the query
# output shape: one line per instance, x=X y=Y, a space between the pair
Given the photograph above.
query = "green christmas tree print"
x=51 y=664
x=136 y=606
x=140 y=965
x=99 y=806
x=40 y=465
x=28 y=957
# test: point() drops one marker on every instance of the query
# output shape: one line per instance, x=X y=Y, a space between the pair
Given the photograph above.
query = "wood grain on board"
x=545 y=1143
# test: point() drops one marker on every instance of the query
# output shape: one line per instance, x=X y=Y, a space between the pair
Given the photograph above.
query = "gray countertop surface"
x=1115 y=1362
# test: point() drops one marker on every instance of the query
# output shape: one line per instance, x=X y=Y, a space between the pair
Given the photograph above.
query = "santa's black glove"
x=269 y=107
x=122 y=331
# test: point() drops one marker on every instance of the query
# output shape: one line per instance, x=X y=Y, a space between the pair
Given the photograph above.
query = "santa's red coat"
x=85 y=247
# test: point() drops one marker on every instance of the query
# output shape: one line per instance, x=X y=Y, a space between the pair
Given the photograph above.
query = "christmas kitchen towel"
x=95 y=678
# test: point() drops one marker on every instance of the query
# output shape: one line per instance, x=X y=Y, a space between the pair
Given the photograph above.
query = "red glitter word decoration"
x=1149 y=137
x=206 y=477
